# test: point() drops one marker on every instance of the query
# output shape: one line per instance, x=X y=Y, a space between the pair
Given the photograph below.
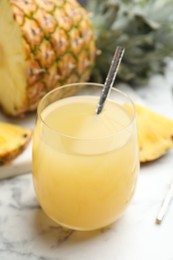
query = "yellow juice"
x=85 y=165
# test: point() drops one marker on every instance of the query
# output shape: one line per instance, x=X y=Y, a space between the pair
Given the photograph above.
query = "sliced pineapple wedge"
x=12 y=63
x=155 y=134
x=13 y=140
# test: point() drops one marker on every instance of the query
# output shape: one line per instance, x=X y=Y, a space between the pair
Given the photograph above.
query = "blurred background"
x=143 y=28
x=83 y=2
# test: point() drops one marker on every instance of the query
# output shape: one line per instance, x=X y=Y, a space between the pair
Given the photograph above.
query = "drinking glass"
x=85 y=166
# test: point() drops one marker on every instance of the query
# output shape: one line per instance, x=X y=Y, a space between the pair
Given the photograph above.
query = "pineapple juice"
x=85 y=165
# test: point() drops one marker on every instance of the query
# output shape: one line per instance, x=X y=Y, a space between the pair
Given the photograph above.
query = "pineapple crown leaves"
x=143 y=27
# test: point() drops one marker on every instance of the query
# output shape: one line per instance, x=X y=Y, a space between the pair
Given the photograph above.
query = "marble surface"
x=23 y=163
x=27 y=233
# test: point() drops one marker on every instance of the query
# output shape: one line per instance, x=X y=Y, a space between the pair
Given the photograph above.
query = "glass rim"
x=89 y=84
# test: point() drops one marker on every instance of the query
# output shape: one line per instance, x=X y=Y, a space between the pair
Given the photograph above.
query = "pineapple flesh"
x=13 y=140
x=43 y=44
x=155 y=134
x=12 y=62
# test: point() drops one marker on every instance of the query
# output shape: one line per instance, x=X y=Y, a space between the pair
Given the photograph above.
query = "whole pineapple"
x=43 y=44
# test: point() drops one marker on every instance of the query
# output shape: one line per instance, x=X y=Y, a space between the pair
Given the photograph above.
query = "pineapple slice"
x=13 y=140
x=155 y=134
x=12 y=62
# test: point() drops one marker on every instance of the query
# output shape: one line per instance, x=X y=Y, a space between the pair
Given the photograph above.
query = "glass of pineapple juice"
x=85 y=166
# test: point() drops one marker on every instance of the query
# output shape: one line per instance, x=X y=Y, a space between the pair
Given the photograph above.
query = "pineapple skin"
x=58 y=47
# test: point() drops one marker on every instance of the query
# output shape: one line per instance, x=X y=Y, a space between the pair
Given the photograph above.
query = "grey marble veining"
x=22 y=222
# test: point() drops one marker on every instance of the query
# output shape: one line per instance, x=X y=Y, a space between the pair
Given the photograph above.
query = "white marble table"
x=27 y=233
